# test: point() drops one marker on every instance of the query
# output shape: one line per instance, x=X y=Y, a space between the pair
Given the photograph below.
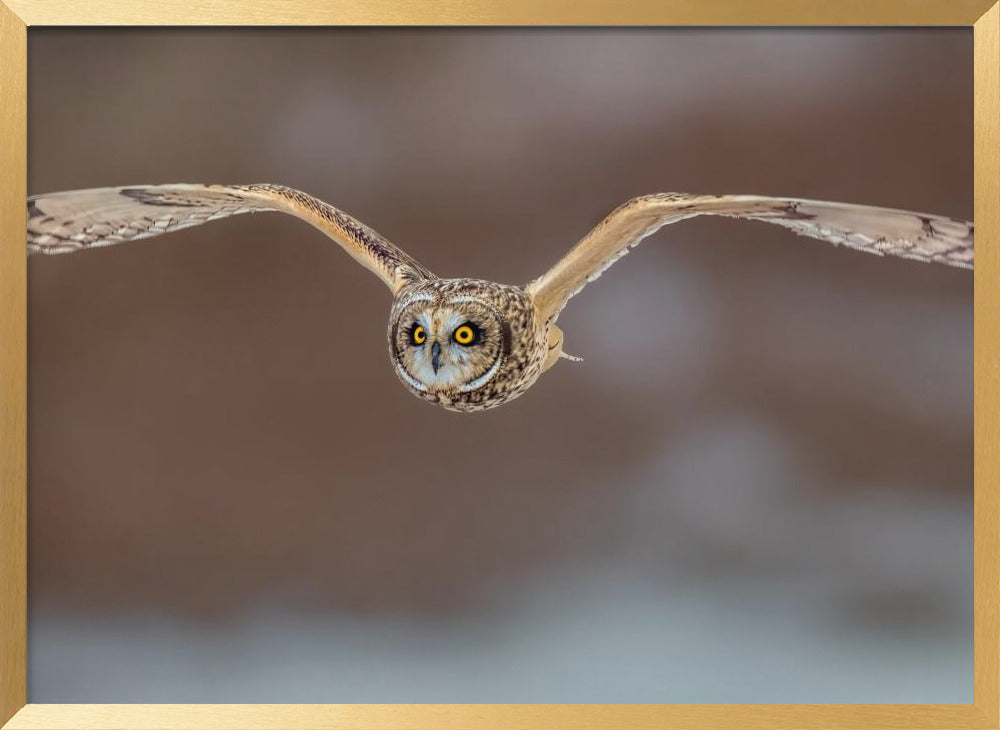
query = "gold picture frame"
x=17 y=15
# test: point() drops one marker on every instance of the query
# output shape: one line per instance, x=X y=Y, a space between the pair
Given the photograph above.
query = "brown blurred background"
x=756 y=488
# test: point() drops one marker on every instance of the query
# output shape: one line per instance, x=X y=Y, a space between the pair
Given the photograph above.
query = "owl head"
x=465 y=344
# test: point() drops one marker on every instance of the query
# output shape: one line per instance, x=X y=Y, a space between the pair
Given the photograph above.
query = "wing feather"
x=81 y=219
x=880 y=231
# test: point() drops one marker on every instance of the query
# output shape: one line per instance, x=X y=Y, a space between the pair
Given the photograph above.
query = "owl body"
x=466 y=344
x=469 y=344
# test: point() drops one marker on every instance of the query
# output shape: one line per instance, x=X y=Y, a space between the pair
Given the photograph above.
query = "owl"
x=469 y=344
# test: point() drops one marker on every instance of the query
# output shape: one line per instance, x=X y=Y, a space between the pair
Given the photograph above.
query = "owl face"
x=462 y=343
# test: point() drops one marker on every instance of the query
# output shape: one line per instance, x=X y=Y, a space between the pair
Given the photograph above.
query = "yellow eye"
x=464 y=335
x=419 y=335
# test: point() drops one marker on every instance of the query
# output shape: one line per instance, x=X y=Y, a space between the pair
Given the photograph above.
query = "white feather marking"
x=420 y=298
x=414 y=383
x=482 y=379
x=466 y=299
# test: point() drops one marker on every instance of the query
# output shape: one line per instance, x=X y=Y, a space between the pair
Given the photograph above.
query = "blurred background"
x=756 y=488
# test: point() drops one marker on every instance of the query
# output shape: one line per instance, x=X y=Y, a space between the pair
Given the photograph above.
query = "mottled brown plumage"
x=468 y=344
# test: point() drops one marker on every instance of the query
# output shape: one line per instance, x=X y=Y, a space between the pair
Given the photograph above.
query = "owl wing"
x=81 y=219
x=875 y=230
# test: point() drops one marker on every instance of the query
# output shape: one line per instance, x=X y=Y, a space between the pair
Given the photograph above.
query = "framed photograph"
x=749 y=479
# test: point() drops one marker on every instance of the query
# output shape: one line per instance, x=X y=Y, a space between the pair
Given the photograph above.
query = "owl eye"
x=466 y=334
x=418 y=335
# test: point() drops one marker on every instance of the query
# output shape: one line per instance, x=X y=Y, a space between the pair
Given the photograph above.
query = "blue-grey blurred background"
x=756 y=488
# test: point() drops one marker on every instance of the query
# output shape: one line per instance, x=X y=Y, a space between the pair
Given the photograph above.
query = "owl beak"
x=436 y=356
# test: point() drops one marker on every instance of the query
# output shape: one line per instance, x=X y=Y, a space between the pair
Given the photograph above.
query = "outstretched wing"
x=80 y=219
x=875 y=230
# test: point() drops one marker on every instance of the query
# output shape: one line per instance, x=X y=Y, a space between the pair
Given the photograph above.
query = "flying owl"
x=469 y=344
